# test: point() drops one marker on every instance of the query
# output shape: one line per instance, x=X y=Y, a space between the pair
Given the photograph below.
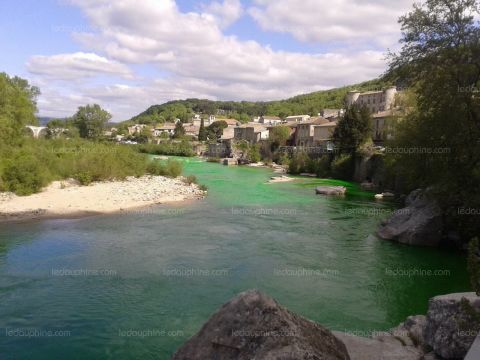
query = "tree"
x=353 y=129
x=215 y=130
x=202 y=132
x=17 y=107
x=440 y=60
x=179 y=131
x=91 y=120
x=279 y=136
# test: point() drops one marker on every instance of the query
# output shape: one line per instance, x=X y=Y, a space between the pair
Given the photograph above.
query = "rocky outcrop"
x=451 y=326
x=385 y=347
x=254 y=326
x=447 y=331
x=331 y=190
x=419 y=223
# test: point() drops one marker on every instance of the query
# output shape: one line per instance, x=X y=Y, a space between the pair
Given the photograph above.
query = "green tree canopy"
x=440 y=57
x=279 y=135
x=353 y=129
x=91 y=120
x=179 y=131
x=17 y=107
x=215 y=130
x=202 y=132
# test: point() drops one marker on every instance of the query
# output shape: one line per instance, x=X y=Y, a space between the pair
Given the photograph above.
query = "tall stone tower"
x=390 y=97
x=352 y=97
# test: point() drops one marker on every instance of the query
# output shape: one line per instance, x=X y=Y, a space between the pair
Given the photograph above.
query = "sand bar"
x=66 y=199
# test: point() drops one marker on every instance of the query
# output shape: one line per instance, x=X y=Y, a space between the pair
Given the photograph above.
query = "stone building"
x=305 y=131
x=375 y=101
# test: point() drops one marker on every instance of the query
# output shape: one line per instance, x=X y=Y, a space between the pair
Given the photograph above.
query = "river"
x=137 y=285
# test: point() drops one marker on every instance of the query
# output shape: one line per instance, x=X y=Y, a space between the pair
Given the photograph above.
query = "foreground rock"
x=447 y=331
x=451 y=327
x=254 y=326
x=385 y=347
x=69 y=199
x=331 y=190
x=419 y=223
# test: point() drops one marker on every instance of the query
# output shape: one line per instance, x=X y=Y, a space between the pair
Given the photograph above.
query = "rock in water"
x=419 y=223
x=331 y=190
x=451 y=327
x=254 y=326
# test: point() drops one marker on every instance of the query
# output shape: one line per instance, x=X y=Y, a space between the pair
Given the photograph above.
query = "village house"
x=166 y=128
x=331 y=113
x=136 y=129
x=375 y=101
x=251 y=132
x=305 y=131
x=229 y=131
x=191 y=130
x=297 y=118
x=270 y=120
x=197 y=120
x=381 y=126
x=323 y=135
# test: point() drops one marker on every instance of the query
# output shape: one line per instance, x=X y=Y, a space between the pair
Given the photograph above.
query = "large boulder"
x=411 y=332
x=419 y=223
x=254 y=326
x=385 y=347
x=452 y=324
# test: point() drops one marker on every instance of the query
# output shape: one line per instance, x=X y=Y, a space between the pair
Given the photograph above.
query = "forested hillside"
x=302 y=104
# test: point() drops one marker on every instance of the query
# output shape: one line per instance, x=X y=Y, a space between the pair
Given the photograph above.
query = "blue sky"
x=131 y=54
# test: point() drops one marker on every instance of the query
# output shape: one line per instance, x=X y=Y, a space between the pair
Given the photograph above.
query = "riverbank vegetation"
x=439 y=61
x=27 y=164
x=169 y=148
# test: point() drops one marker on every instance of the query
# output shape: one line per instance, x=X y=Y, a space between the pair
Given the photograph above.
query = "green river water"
x=156 y=276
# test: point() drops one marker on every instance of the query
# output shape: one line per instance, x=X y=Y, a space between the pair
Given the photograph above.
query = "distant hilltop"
x=243 y=111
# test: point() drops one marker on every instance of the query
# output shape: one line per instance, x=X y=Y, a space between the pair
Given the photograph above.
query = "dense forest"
x=310 y=104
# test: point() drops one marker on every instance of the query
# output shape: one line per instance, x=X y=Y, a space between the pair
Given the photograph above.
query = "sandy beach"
x=67 y=199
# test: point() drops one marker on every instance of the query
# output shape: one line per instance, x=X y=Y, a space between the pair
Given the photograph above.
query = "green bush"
x=298 y=163
x=191 y=179
x=84 y=178
x=24 y=175
x=183 y=148
x=342 y=167
x=172 y=168
x=30 y=166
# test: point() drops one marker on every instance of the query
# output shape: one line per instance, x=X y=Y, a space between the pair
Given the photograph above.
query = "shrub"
x=183 y=148
x=254 y=154
x=24 y=175
x=172 y=168
x=342 y=167
x=190 y=179
x=298 y=163
x=84 y=178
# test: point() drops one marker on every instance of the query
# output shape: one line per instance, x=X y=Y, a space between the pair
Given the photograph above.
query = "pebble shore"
x=69 y=199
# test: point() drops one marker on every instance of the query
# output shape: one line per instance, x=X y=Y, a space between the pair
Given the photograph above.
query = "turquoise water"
x=156 y=276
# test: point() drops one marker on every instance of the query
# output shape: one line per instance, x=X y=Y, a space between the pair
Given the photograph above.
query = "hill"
x=310 y=104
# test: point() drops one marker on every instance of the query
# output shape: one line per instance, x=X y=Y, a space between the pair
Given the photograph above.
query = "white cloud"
x=76 y=65
x=225 y=13
x=199 y=60
x=371 y=21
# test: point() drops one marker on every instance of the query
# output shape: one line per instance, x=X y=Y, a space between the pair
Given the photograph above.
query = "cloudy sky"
x=129 y=54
